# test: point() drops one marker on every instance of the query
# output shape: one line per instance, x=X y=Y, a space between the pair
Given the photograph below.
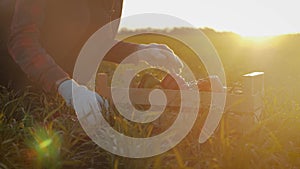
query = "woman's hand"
x=161 y=54
x=81 y=98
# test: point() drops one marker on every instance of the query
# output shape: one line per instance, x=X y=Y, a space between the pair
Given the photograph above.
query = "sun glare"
x=257 y=39
x=247 y=18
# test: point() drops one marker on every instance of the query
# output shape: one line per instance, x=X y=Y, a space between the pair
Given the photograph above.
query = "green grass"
x=39 y=131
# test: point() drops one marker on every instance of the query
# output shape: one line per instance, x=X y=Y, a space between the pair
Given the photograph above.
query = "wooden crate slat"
x=250 y=101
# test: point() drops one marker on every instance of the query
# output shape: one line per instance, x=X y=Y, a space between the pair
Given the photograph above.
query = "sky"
x=245 y=17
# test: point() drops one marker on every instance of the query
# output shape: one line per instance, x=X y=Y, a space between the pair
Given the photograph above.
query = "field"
x=40 y=131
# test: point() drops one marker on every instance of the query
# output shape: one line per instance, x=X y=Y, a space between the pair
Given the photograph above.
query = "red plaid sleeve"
x=25 y=48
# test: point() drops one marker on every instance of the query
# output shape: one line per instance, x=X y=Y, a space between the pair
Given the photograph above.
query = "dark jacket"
x=47 y=35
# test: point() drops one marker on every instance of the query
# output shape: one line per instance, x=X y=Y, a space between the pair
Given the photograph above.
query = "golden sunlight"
x=257 y=39
x=246 y=18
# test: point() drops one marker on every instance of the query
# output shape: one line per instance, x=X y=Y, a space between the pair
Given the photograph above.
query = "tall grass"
x=39 y=131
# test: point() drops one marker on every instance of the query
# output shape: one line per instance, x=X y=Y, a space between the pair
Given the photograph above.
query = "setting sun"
x=256 y=39
x=160 y=84
x=247 y=18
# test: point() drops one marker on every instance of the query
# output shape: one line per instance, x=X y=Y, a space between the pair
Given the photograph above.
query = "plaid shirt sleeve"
x=25 y=48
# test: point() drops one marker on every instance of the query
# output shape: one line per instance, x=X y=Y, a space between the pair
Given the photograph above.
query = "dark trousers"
x=11 y=75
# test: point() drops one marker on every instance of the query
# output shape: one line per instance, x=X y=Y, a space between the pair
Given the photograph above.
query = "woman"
x=47 y=35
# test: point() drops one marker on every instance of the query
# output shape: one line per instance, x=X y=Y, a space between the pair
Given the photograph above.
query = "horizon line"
x=206 y=27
